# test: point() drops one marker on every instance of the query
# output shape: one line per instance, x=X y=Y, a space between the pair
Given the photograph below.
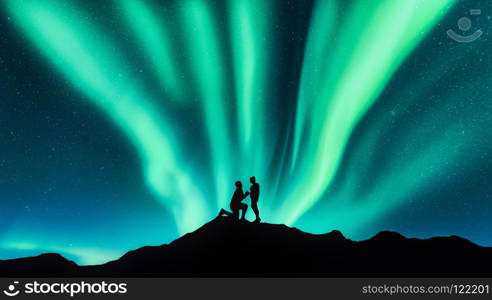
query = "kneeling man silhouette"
x=236 y=203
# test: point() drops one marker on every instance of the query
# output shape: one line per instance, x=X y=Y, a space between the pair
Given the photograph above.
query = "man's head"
x=252 y=179
x=239 y=184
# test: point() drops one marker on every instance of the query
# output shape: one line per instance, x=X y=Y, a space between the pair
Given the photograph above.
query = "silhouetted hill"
x=49 y=264
x=226 y=248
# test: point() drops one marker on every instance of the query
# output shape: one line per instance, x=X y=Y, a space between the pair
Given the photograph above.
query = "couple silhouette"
x=236 y=202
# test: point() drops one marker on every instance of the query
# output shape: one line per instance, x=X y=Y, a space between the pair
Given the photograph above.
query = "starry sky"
x=125 y=123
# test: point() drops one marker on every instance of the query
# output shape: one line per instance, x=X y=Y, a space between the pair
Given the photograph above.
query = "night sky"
x=125 y=123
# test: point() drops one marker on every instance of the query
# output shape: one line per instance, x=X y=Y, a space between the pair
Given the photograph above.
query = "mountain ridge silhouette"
x=227 y=248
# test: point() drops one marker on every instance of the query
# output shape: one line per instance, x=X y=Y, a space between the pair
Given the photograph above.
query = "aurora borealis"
x=125 y=123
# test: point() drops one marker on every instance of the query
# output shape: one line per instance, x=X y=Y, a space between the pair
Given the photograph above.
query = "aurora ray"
x=154 y=38
x=250 y=44
x=390 y=33
x=70 y=44
x=206 y=58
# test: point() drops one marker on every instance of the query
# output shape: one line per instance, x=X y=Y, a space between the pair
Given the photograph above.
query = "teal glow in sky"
x=385 y=34
x=301 y=95
x=85 y=58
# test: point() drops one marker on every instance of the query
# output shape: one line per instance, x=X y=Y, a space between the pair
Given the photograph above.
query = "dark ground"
x=224 y=248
